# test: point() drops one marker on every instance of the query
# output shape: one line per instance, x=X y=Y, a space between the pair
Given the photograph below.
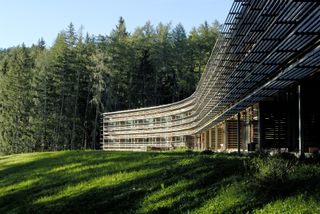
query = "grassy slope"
x=120 y=182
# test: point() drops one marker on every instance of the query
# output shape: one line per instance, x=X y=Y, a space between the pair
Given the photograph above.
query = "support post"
x=301 y=143
x=210 y=138
x=259 y=128
x=238 y=132
x=216 y=137
x=205 y=140
x=202 y=140
x=226 y=135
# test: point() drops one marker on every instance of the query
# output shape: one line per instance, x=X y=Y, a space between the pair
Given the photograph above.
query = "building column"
x=210 y=138
x=259 y=128
x=301 y=140
x=238 y=132
x=205 y=140
x=199 y=141
x=225 y=135
x=202 y=140
x=216 y=137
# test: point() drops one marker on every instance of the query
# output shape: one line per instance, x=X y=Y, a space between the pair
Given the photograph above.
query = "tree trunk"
x=95 y=128
x=44 y=135
x=73 y=134
x=85 y=143
x=59 y=119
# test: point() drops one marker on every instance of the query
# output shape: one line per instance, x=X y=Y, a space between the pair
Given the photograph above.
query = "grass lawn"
x=169 y=182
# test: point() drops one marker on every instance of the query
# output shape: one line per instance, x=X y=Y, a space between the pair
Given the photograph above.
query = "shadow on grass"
x=56 y=173
x=120 y=182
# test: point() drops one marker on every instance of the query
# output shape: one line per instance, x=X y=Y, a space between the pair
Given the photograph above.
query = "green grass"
x=168 y=182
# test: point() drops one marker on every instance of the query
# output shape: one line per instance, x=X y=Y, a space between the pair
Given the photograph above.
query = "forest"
x=51 y=98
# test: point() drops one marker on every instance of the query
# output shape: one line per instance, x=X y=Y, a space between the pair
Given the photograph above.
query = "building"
x=259 y=90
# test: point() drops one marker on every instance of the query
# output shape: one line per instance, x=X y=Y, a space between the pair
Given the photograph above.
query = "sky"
x=26 y=21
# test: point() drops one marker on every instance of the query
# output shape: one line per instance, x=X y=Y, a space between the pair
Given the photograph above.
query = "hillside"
x=174 y=182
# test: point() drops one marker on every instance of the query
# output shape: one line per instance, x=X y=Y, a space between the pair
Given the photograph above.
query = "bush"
x=287 y=156
x=179 y=149
x=270 y=171
x=313 y=159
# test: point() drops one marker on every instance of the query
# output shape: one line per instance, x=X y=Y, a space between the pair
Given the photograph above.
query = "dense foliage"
x=167 y=182
x=51 y=98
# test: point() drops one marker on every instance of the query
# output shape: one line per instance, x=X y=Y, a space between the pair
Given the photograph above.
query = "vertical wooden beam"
x=259 y=128
x=216 y=137
x=198 y=136
x=238 y=132
x=205 y=140
x=201 y=140
x=225 y=134
x=301 y=142
x=210 y=138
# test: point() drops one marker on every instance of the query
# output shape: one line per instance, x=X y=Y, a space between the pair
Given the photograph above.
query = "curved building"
x=257 y=91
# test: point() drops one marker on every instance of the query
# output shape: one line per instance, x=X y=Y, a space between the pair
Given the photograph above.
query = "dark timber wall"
x=279 y=117
x=311 y=113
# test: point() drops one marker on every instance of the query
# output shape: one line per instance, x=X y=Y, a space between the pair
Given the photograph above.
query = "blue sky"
x=28 y=20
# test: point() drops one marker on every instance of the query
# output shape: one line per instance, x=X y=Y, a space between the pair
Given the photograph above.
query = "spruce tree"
x=17 y=104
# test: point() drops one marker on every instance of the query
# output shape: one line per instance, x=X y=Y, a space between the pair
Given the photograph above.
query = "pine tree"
x=99 y=75
x=120 y=62
x=143 y=76
x=160 y=57
x=17 y=107
x=40 y=81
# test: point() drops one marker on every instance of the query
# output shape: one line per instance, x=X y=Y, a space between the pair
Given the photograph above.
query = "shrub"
x=287 y=156
x=313 y=159
x=270 y=173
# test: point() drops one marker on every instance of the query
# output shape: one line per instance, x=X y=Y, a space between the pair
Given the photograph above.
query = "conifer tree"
x=17 y=107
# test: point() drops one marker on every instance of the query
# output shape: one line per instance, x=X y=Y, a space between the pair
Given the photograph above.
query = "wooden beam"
x=301 y=140
x=238 y=132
